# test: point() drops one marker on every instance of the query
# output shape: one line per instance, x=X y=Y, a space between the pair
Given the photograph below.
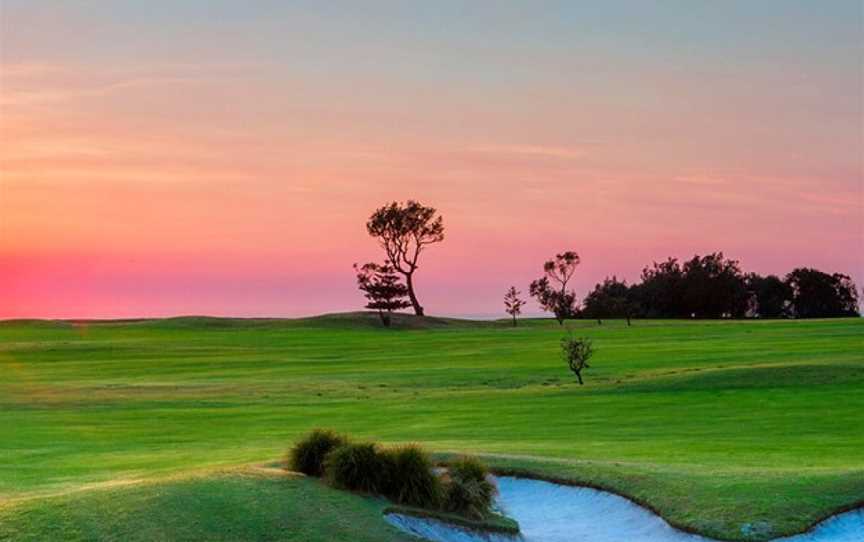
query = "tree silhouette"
x=551 y=290
x=513 y=303
x=576 y=352
x=770 y=296
x=403 y=232
x=714 y=287
x=708 y=286
x=819 y=295
x=661 y=291
x=382 y=288
x=610 y=299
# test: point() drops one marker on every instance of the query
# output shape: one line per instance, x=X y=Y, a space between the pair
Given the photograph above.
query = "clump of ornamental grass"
x=307 y=455
x=410 y=478
x=468 y=489
x=356 y=467
x=404 y=474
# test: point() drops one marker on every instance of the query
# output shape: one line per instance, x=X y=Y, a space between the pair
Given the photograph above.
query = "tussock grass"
x=308 y=454
x=410 y=477
x=356 y=466
x=468 y=490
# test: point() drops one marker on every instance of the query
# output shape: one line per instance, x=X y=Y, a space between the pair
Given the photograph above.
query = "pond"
x=549 y=512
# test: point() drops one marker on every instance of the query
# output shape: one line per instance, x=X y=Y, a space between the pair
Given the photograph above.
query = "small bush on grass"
x=410 y=478
x=307 y=455
x=467 y=489
x=357 y=467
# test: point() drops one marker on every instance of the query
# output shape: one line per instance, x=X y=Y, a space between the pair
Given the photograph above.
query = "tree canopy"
x=713 y=286
x=610 y=299
x=770 y=296
x=404 y=231
x=819 y=295
x=551 y=289
x=576 y=351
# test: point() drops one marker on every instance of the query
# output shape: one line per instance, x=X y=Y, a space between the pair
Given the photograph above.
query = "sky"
x=221 y=157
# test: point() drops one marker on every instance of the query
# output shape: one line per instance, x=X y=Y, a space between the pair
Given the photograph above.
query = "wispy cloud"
x=30 y=83
x=68 y=176
x=39 y=96
x=702 y=180
x=539 y=151
x=19 y=70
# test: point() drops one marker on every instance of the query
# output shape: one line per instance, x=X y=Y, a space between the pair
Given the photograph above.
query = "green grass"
x=227 y=506
x=714 y=424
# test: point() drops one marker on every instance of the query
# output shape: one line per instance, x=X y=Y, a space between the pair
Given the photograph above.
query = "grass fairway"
x=241 y=504
x=717 y=425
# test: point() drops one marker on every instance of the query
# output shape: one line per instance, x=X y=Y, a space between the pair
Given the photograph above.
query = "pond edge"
x=527 y=474
x=496 y=523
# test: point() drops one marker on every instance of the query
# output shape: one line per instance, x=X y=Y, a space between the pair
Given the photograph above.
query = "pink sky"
x=227 y=166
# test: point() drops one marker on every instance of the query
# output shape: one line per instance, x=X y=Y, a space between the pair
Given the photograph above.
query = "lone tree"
x=382 y=288
x=551 y=289
x=513 y=303
x=577 y=351
x=404 y=231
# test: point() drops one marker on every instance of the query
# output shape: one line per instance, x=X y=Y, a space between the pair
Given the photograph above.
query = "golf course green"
x=738 y=430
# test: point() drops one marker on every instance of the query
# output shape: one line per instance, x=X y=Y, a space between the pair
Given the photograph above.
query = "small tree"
x=403 y=232
x=561 y=304
x=382 y=288
x=577 y=351
x=551 y=290
x=513 y=303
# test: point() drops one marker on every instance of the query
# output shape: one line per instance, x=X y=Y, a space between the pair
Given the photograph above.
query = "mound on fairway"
x=342 y=320
x=241 y=504
x=719 y=426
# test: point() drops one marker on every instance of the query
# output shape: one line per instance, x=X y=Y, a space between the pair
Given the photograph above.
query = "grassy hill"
x=230 y=505
x=716 y=424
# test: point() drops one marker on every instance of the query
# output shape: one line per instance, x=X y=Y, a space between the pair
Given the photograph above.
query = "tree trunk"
x=409 y=282
x=514 y=320
x=628 y=320
x=579 y=377
x=385 y=318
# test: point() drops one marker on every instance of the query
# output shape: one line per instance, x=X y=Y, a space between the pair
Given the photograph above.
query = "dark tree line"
x=713 y=286
x=611 y=299
x=710 y=286
x=815 y=294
